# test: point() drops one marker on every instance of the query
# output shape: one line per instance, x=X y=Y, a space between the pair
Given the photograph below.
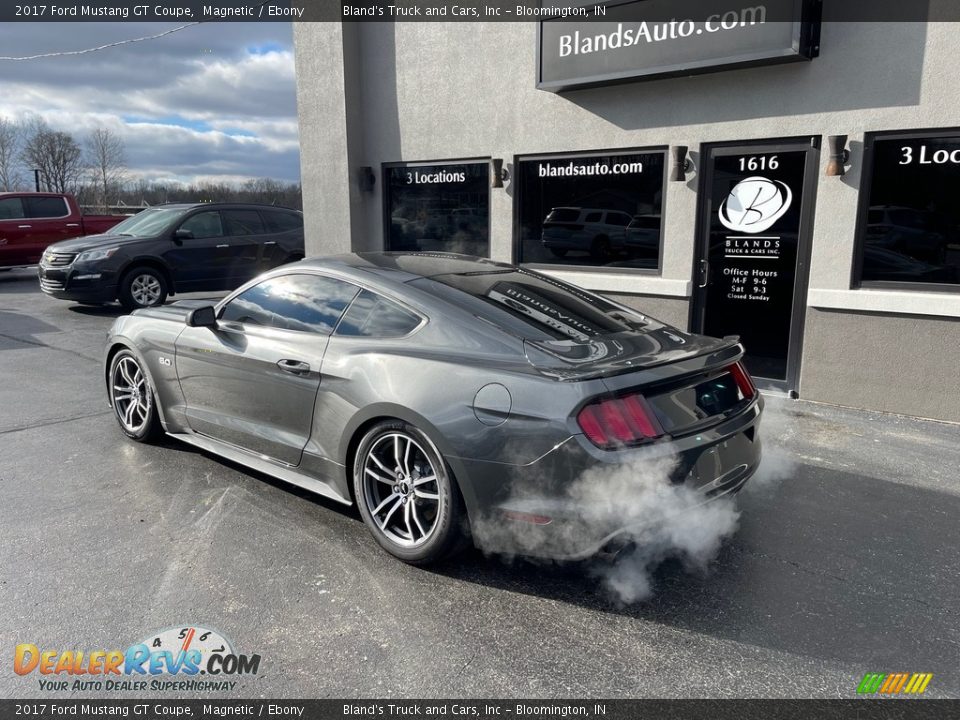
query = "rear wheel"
x=142 y=287
x=406 y=494
x=132 y=398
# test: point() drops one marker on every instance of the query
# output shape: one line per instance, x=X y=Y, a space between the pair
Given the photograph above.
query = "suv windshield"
x=148 y=223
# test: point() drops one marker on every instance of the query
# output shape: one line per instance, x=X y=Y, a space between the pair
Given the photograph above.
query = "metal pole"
x=36 y=178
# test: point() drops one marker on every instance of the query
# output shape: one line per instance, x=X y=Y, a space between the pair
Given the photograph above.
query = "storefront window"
x=593 y=210
x=910 y=230
x=438 y=208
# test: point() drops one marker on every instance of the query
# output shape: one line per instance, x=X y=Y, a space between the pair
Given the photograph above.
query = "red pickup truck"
x=29 y=221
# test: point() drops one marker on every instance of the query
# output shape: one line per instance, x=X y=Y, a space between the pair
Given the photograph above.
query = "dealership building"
x=794 y=181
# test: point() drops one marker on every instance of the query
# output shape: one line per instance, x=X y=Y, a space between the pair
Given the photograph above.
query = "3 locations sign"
x=660 y=38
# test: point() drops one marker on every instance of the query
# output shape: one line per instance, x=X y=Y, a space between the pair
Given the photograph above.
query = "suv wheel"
x=142 y=287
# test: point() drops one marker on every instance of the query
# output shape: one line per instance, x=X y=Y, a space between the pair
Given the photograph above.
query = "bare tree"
x=105 y=153
x=55 y=154
x=10 y=177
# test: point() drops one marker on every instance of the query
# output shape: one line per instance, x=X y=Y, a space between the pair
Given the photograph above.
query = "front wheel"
x=142 y=287
x=132 y=398
x=406 y=494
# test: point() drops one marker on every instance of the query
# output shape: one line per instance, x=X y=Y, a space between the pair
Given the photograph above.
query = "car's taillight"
x=743 y=380
x=619 y=421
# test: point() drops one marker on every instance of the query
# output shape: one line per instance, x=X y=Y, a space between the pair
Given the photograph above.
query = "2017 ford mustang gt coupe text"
x=437 y=392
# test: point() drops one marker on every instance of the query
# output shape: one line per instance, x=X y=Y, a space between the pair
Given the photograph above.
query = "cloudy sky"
x=215 y=101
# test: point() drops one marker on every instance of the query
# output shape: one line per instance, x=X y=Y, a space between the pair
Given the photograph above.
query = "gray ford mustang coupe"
x=438 y=392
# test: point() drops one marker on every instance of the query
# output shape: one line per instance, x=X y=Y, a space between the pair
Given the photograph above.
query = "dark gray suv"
x=172 y=249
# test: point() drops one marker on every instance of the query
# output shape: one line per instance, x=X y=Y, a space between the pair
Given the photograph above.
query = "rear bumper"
x=577 y=500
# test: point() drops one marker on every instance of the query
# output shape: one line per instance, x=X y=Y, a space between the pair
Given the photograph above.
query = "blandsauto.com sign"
x=659 y=38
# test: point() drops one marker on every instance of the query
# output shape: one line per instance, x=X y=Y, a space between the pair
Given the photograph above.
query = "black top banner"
x=187 y=11
x=485 y=709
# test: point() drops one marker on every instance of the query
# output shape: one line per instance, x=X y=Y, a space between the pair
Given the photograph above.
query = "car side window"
x=46 y=207
x=307 y=303
x=11 y=209
x=204 y=225
x=593 y=217
x=242 y=222
x=282 y=221
x=618 y=219
x=371 y=315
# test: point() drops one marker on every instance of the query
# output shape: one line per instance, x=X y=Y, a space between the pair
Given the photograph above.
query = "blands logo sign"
x=894 y=683
x=755 y=204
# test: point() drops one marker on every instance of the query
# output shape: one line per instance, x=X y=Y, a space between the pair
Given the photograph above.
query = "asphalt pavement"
x=845 y=561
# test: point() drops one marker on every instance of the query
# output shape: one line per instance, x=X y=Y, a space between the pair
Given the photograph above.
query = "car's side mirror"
x=205 y=316
x=183 y=234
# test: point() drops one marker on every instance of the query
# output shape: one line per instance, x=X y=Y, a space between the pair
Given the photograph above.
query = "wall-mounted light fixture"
x=839 y=155
x=681 y=164
x=367 y=179
x=498 y=173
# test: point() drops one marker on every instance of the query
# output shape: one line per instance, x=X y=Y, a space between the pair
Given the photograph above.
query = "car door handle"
x=704 y=274
x=294 y=366
x=270 y=242
x=73 y=224
x=224 y=245
x=24 y=227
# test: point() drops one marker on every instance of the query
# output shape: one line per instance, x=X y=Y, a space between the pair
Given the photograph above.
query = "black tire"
x=559 y=252
x=292 y=258
x=396 y=492
x=141 y=287
x=132 y=398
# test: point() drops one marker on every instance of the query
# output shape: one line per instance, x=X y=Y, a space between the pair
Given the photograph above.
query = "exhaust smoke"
x=665 y=519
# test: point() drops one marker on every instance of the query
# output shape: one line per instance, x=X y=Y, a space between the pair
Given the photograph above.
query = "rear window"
x=371 y=315
x=46 y=207
x=242 y=222
x=532 y=306
x=282 y=221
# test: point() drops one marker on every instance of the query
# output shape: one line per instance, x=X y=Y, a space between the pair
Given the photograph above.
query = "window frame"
x=224 y=220
x=663 y=150
x=863 y=208
x=218 y=308
x=23 y=210
x=201 y=211
x=63 y=201
x=385 y=194
x=422 y=320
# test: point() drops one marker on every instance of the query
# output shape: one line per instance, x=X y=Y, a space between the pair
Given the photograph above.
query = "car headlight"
x=92 y=255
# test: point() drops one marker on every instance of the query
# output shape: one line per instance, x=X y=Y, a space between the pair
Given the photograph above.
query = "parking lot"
x=845 y=561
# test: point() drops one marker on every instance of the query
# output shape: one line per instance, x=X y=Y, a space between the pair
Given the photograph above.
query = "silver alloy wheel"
x=132 y=399
x=145 y=289
x=401 y=489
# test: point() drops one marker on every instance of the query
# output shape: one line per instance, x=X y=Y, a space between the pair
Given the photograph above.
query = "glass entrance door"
x=756 y=208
